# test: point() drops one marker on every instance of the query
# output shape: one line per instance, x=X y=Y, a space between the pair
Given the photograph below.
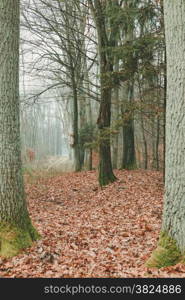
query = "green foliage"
x=136 y=25
x=87 y=135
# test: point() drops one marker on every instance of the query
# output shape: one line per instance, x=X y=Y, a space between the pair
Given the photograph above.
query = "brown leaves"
x=92 y=232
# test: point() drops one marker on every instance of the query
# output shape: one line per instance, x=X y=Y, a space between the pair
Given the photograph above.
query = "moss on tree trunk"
x=166 y=253
x=14 y=238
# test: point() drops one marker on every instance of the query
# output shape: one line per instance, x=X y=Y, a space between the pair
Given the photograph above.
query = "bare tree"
x=64 y=53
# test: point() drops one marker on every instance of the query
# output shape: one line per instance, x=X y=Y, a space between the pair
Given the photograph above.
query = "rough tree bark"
x=16 y=230
x=106 y=174
x=171 y=247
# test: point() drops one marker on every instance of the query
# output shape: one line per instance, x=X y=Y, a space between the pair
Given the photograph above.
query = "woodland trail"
x=92 y=232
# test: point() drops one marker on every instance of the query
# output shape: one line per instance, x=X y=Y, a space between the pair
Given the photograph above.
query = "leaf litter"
x=93 y=232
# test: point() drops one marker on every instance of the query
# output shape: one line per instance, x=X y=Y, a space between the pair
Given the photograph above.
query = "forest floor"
x=92 y=232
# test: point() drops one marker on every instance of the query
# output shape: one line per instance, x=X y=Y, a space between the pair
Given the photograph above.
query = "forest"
x=92 y=135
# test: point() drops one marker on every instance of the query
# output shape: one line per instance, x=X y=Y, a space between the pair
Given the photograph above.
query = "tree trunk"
x=115 y=118
x=129 y=161
x=16 y=230
x=164 y=119
x=157 y=143
x=106 y=174
x=171 y=247
x=129 y=158
x=88 y=159
x=76 y=145
x=145 y=147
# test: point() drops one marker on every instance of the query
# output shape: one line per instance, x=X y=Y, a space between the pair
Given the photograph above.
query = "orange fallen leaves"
x=92 y=232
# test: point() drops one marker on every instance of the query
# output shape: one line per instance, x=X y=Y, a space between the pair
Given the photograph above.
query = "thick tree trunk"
x=171 y=247
x=16 y=231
